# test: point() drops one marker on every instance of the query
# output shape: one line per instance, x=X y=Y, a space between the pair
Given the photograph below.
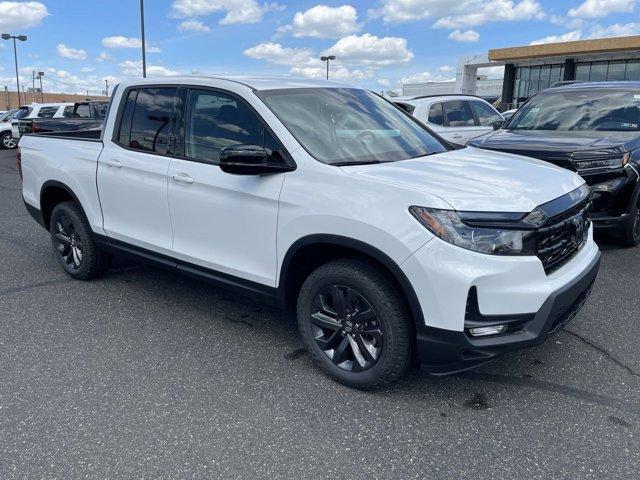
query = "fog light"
x=484 y=331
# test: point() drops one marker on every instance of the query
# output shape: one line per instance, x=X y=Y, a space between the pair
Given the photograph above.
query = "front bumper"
x=445 y=351
x=613 y=199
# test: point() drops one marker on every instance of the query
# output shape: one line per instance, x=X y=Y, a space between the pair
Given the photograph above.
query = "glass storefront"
x=529 y=80
x=608 y=71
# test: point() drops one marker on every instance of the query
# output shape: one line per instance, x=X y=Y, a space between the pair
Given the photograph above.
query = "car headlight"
x=496 y=238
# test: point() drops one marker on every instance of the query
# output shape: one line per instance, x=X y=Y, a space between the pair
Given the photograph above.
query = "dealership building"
x=532 y=68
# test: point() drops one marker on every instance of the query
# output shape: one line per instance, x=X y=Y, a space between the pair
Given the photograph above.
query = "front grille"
x=567 y=314
x=563 y=236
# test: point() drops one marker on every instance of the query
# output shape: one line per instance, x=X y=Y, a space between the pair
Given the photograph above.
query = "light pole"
x=22 y=38
x=39 y=77
x=144 y=53
x=326 y=59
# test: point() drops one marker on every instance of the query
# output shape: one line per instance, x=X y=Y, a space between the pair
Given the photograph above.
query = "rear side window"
x=147 y=119
x=82 y=111
x=47 y=112
x=68 y=112
x=435 y=114
x=23 y=112
x=485 y=113
x=458 y=114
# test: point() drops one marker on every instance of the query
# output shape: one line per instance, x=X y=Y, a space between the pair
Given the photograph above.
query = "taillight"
x=19 y=162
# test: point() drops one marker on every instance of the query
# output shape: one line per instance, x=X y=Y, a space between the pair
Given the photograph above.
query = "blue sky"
x=378 y=43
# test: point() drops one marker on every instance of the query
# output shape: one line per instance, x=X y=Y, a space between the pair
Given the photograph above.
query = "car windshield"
x=580 y=110
x=342 y=126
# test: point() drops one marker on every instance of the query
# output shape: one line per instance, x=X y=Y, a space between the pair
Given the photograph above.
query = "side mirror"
x=245 y=160
x=497 y=125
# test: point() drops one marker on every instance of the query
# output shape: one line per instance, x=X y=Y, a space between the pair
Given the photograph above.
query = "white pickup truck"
x=314 y=195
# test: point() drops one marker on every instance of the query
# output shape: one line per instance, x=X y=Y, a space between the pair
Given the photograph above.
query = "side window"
x=147 y=119
x=458 y=114
x=68 y=112
x=82 y=111
x=435 y=114
x=215 y=121
x=485 y=113
x=47 y=112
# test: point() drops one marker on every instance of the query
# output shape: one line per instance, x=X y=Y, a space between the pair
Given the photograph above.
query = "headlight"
x=448 y=226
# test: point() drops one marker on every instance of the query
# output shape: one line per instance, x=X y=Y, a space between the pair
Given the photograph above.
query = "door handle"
x=112 y=163
x=182 y=177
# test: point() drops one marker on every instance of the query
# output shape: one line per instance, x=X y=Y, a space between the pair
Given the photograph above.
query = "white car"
x=389 y=243
x=6 y=138
x=456 y=118
x=37 y=110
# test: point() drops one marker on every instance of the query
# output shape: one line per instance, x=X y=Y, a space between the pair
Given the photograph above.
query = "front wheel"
x=7 y=142
x=73 y=245
x=354 y=324
x=631 y=232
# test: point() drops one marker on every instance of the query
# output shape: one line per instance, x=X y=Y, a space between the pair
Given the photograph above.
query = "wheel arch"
x=52 y=193
x=308 y=253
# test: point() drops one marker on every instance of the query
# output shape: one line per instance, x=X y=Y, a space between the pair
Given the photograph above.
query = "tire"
x=631 y=232
x=7 y=142
x=73 y=243
x=374 y=319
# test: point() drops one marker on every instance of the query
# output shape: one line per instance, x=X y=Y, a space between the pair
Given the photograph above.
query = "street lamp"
x=144 y=53
x=326 y=59
x=39 y=77
x=22 y=38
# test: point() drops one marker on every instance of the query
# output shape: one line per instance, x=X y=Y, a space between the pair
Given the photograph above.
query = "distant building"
x=489 y=89
x=532 y=68
x=9 y=99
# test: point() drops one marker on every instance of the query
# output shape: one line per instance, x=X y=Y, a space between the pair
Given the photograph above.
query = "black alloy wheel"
x=7 y=142
x=69 y=246
x=346 y=328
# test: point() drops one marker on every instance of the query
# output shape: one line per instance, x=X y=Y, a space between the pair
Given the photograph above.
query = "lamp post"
x=144 y=53
x=22 y=38
x=39 y=77
x=327 y=59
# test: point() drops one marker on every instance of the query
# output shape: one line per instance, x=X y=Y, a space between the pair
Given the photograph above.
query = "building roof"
x=580 y=47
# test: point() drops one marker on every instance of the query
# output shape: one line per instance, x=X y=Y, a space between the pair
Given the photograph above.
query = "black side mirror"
x=497 y=125
x=245 y=160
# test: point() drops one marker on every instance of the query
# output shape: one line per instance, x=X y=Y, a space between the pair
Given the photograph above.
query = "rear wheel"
x=73 y=243
x=631 y=233
x=7 y=142
x=354 y=324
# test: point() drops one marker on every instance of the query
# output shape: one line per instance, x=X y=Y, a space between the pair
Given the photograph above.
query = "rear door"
x=133 y=168
x=221 y=221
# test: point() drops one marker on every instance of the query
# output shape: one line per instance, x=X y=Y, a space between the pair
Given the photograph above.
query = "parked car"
x=388 y=246
x=592 y=129
x=37 y=110
x=509 y=113
x=456 y=118
x=80 y=116
x=6 y=139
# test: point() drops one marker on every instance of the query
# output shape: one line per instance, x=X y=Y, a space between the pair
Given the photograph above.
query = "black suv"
x=592 y=129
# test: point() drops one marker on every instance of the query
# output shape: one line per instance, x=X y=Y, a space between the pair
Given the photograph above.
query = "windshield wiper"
x=356 y=162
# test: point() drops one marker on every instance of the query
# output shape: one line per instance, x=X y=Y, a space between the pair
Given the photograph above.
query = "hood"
x=529 y=142
x=471 y=179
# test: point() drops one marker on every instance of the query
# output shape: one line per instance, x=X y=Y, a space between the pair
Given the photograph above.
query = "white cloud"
x=601 y=8
x=371 y=51
x=324 y=22
x=237 y=11
x=132 y=68
x=491 y=11
x=424 y=77
x=336 y=72
x=104 y=57
x=384 y=82
x=616 y=30
x=278 y=55
x=565 y=37
x=20 y=15
x=193 y=25
x=87 y=69
x=127 y=42
x=68 y=52
x=466 y=36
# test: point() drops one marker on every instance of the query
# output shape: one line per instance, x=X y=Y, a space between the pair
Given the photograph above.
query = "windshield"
x=580 y=110
x=344 y=126
x=22 y=112
x=6 y=116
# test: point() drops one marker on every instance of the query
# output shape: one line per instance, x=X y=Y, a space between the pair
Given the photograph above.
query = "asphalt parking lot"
x=146 y=374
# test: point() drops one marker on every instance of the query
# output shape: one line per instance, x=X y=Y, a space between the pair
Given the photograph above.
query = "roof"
x=629 y=84
x=253 y=82
x=579 y=47
x=51 y=104
x=449 y=96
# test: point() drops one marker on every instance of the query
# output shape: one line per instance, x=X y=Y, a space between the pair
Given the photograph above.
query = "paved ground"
x=145 y=374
